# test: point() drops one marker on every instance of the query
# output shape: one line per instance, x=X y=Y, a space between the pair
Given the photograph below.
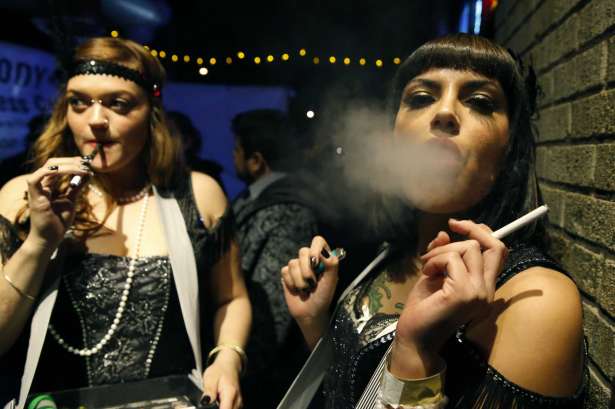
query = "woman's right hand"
x=52 y=212
x=309 y=296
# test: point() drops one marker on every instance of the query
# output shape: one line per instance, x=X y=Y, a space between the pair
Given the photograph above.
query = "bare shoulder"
x=209 y=196
x=12 y=196
x=534 y=335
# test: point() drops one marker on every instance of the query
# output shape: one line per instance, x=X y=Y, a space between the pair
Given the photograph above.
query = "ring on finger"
x=53 y=167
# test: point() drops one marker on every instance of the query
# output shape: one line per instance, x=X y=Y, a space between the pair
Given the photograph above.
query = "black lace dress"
x=470 y=381
x=151 y=339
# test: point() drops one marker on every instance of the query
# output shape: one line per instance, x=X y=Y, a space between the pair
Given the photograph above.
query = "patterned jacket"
x=270 y=231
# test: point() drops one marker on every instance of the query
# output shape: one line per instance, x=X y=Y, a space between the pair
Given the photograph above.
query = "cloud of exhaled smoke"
x=369 y=162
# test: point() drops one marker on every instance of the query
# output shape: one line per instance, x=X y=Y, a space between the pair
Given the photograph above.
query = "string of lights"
x=267 y=58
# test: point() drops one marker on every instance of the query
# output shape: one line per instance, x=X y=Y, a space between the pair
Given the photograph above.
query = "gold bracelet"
x=412 y=393
x=242 y=355
x=21 y=292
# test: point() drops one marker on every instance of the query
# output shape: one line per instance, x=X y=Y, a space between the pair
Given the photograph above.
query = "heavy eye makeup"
x=482 y=104
x=483 y=97
x=78 y=103
x=480 y=101
x=418 y=99
x=119 y=103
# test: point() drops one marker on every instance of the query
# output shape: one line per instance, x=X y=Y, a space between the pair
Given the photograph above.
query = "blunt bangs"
x=460 y=52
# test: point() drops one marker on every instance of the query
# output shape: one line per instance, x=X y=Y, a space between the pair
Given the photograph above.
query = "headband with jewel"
x=99 y=67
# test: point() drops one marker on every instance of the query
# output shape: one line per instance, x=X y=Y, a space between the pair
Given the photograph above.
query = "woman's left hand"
x=221 y=380
x=456 y=286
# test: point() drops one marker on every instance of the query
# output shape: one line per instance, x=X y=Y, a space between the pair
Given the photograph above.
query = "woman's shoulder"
x=210 y=199
x=534 y=333
x=12 y=196
x=540 y=296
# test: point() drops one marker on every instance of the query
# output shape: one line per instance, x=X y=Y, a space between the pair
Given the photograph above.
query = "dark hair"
x=182 y=126
x=267 y=131
x=515 y=190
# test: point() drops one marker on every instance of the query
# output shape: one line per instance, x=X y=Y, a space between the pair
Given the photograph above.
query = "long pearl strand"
x=124 y=297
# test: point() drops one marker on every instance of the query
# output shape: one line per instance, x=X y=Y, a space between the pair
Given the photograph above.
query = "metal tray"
x=169 y=392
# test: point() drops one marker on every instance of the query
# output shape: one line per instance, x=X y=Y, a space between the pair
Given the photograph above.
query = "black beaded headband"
x=99 y=67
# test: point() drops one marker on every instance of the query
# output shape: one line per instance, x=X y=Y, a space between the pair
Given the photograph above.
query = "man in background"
x=272 y=224
x=19 y=164
x=181 y=126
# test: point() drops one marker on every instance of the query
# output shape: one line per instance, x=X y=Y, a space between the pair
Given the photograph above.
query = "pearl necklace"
x=120 y=309
x=124 y=199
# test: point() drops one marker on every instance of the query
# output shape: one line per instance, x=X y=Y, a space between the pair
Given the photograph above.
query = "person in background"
x=18 y=164
x=180 y=124
x=272 y=224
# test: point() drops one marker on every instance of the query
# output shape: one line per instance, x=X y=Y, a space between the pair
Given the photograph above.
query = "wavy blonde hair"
x=162 y=154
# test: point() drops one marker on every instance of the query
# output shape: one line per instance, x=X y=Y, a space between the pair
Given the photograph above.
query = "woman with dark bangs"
x=452 y=316
x=118 y=264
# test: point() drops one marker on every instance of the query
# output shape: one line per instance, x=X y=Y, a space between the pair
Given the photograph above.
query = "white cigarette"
x=520 y=222
x=75 y=181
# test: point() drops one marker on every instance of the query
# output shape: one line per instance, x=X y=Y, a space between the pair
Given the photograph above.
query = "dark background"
x=369 y=29
x=342 y=28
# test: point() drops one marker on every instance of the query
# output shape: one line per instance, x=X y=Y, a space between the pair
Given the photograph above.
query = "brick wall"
x=571 y=44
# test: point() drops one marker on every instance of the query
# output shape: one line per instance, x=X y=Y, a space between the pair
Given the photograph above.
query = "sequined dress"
x=151 y=339
x=469 y=378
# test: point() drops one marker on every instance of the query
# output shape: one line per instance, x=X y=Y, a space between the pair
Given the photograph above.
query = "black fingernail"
x=205 y=400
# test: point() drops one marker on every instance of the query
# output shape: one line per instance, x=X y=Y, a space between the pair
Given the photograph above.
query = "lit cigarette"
x=75 y=181
x=520 y=222
x=340 y=253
